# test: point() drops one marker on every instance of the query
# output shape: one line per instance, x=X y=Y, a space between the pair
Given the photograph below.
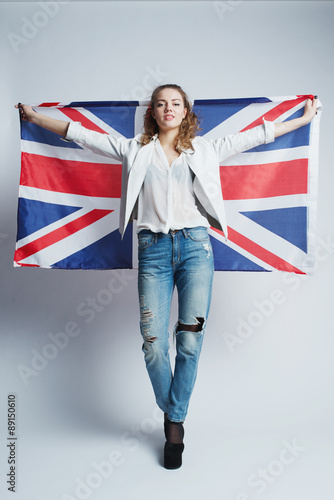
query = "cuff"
x=72 y=132
x=269 y=130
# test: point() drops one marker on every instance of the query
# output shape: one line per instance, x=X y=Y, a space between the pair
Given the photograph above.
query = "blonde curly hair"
x=188 y=128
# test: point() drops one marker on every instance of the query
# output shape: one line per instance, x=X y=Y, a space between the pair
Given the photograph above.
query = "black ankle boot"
x=173 y=455
x=174 y=446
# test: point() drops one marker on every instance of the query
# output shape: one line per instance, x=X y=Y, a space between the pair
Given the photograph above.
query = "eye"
x=176 y=103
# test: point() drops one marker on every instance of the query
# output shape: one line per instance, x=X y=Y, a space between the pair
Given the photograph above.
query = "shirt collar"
x=138 y=138
x=187 y=151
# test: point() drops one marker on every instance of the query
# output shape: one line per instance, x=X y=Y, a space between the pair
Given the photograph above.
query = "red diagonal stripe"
x=76 y=116
x=68 y=176
x=241 y=182
x=259 y=252
x=59 y=234
x=48 y=104
x=277 y=111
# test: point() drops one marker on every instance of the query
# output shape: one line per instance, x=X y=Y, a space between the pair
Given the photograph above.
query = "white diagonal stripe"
x=51 y=227
x=273 y=156
x=68 y=199
x=275 y=202
x=242 y=251
x=268 y=240
x=248 y=115
x=240 y=120
x=64 y=153
x=74 y=242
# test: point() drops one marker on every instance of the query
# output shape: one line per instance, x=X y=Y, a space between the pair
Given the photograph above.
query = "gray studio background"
x=260 y=423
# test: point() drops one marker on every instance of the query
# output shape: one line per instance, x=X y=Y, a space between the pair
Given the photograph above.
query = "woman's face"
x=169 y=109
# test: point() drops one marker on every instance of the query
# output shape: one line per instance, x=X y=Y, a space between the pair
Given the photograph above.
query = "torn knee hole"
x=146 y=316
x=190 y=328
x=150 y=340
x=146 y=319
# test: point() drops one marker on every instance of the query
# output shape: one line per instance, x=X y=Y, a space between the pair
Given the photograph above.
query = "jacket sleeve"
x=103 y=144
x=242 y=141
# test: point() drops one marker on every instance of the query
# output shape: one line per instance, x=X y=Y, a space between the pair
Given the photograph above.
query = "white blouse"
x=166 y=200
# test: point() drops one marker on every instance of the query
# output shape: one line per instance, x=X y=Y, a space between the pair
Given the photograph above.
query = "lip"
x=169 y=117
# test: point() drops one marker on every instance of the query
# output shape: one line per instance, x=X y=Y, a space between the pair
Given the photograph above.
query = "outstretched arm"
x=28 y=114
x=309 y=113
x=114 y=146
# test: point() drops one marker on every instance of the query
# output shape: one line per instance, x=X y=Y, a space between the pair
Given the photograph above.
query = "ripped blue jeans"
x=183 y=259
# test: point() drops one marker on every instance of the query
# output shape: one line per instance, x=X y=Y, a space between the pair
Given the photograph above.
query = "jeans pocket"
x=198 y=234
x=145 y=241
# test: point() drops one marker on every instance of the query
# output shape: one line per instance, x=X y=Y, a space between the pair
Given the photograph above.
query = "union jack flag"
x=69 y=197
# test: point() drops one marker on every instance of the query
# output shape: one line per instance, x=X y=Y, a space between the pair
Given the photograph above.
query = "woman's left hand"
x=287 y=126
x=310 y=109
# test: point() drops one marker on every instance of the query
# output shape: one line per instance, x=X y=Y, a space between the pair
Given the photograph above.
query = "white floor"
x=247 y=437
x=220 y=463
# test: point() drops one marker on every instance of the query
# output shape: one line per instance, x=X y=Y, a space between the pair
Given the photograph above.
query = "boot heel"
x=173 y=455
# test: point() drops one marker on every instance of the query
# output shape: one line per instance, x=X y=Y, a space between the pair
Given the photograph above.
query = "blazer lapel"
x=136 y=177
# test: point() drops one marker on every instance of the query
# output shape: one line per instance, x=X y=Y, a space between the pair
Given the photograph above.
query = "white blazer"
x=204 y=162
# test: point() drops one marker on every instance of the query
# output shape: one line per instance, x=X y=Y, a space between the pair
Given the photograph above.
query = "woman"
x=171 y=185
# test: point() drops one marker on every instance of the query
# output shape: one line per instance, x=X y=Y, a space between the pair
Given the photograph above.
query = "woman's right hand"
x=26 y=112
